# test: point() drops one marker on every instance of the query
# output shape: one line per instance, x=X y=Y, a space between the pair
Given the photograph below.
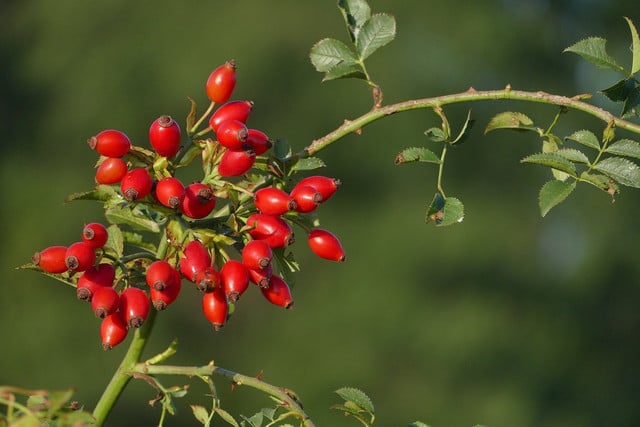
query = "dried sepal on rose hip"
x=136 y=184
x=105 y=301
x=159 y=274
x=169 y=191
x=135 y=306
x=103 y=275
x=161 y=299
x=198 y=201
x=208 y=279
x=256 y=254
x=80 y=256
x=95 y=234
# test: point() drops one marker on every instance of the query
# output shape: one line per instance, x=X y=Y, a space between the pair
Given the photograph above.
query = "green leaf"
x=621 y=170
x=101 y=193
x=603 y=182
x=417 y=424
x=355 y=14
x=620 y=91
x=378 y=31
x=552 y=193
x=436 y=134
x=585 y=137
x=552 y=160
x=281 y=149
x=255 y=420
x=123 y=214
x=356 y=396
x=327 y=53
x=631 y=103
x=434 y=212
x=308 y=163
x=201 y=414
x=115 y=241
x=226 y=416
x=445 y=211
x=416 y=154
x=593 y=49
x=345 y=71
x=465 y=131
x=625 y=147
x=573 y=155
x=635 y=66
x=191 y=116
x=510 y=120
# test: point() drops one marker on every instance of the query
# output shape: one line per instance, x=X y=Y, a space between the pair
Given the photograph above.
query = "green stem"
x=471 y=95
x=440 y=170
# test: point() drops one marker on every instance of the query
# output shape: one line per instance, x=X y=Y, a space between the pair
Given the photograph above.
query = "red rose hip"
x=95 y=234
x=135 y=306
x=111 y=171
x=80 y=256
x=51 y=259
x=164 y=136
x=110 y=143
x=136 y=184
x=215 y=307
x=113 y=330
x=221 y=82
x=326 y=245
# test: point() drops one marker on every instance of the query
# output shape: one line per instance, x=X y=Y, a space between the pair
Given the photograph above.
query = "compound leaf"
x=621 y=170
x=593 y=49
x=378 y=31
x=355 y=13
x=552 y=193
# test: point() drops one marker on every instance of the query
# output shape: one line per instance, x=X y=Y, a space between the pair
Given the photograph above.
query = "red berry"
x=51 y=259
x=110 y=143
x=196 y=259
x=198 y=201
x=94 y=278
x=236 y=163
x=164 y=298
x=169 y=191
x=221 y=82
x=259 y=141
x=306 y=198
x=135 y=306
x=111 y=170
x=324 y=185
x=208 y=279
x=95 y=234
x=256 y=254
x=232 y=110
x=278 y=292
x=215 y=307
x=159 y=274
x=113 y=330
x=261 y=276
x=326 y=245
x=164 y=135
x=232 y=134
x=80 y=256
x=273 y=201
x=235 y=279
x=273 y=230
x=136 y=184
x=105 y=301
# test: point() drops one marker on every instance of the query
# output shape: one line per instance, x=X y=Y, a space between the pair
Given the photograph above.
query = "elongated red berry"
x=196 y=258
x=136 y=184
x=51 y=259
x=324 y=185
x=278 y=292
x=164 y=136
x=261 y=276
x=111 y=171
x=113 y=330
x=273 y=230
x=169 y=191
x=135 y=306
x=221 y=82
x=215 y=307
x=208 y=279
x=232 y=134
x=259 y=141
x=164 y=298
x=273 y=201
x=94 y=278
x=110 y=143
x=159 y=274
x=236 y=163
x=306 y=197
x=326 y=245
x=256 y=254
x=80 y=256
x=235 y=279
x=105 y=301
x=231 y=110
x=95 y=234
x=198 y=201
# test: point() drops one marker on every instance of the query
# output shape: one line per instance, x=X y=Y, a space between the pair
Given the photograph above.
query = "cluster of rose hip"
x=122 y=293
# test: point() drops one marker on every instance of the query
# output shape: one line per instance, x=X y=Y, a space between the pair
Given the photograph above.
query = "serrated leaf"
x=631 y=103
x=552 y=160
x=593 y=49
x=327 y=53
x=550 y=145
x=453 y=212
x=226 y=417
x=436 y=134
x=308 y=163
x=59 y=277
x=255 y=420
x=603 y=182
x=357 y=396
x=345 y=71
x=620 y=91
x=625 y=147
x=552 y=193
x=621 y=170
x=355 y=14
x=201 y=414
x=510 y=120
x=115 y=241
x=464 y=133
x=586 y=138
x=101 y=193
x=573 y=155
x=635 y=47
x=281 y=149
x=379 y=30
x=120 y=214
x=416 y=154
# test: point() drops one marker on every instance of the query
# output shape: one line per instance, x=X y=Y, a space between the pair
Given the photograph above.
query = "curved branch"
x=471 y=95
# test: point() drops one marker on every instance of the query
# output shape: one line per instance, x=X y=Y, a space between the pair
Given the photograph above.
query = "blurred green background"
x=508 y=319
